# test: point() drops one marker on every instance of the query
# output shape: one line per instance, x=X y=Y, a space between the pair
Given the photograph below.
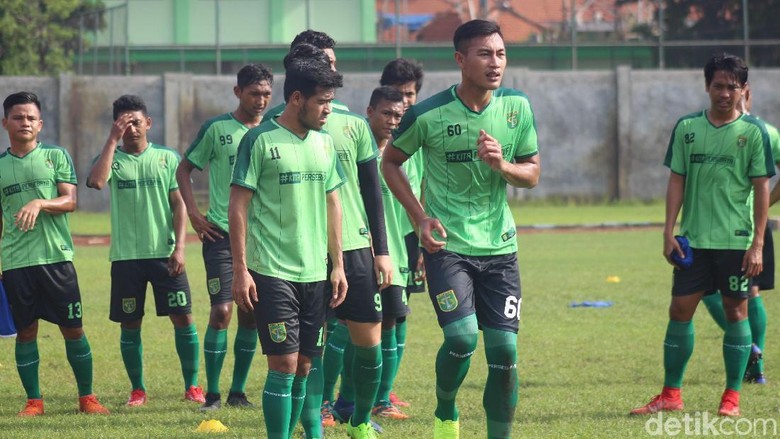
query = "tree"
x=40 y=37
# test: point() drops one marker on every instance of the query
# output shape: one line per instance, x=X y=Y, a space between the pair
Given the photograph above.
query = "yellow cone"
x=613 y=279
x=211 y=426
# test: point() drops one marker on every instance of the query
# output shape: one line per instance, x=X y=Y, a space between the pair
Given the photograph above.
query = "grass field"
x=581 y=369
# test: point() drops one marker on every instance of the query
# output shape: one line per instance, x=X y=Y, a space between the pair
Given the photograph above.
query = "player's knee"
x=460 y=336
x=500 y=348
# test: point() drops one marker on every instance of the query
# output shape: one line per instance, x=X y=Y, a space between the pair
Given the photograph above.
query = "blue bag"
x=7 y=327
x=687 y=261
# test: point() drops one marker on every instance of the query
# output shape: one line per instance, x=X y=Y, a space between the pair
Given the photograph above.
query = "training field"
x=581 y=369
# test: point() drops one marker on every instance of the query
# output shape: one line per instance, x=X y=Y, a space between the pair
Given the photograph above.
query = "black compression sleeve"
x=368 y=178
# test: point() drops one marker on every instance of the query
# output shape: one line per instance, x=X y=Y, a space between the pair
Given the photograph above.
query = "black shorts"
x=218 y=260
x=766 y=280
x=49 y=292
x=712 y=270
x=461 y=285
x=395 y=302
x=290 y=316
x=413 y=250
x=363 y=303
x=128 y=289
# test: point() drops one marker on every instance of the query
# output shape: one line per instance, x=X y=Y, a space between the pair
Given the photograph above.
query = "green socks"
x=132 y=355
x=389 y=364
x=400 y=337
x=333 y=358
x=452 y=364
x=187 y=346
x=244 y=350
x=27 y=361
x=214 y=351
x=277 y=404
x=736 y=351
x=298 y=397
x=347 y=388
x=500 y=397
x=714 y=304
x=366 y=375
x=757 y=319
x=80 y=358
x=310 y=417
x=678 y=347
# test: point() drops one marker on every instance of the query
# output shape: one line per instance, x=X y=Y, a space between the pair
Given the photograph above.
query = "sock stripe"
x=211 y=351
x=278 y=395
x=28 y=364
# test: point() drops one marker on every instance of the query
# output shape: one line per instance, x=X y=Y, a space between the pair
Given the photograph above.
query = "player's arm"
x=392 y=159
x=244 y=290
x=26 y=217
x=176 y=260
x=774 y=195
x=337 y=277
x=753 y=262
x=522 y=173
x=101 y=169
x=370 y=192
x=675 y=190
x=202 y=226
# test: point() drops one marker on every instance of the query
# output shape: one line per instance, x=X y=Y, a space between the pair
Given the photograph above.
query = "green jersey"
x=718 y=164
x=216 y=145
x=414 y=172
x=23 y=179
x=141 y=214
x=287 y=222
x=462 y=191
x=394 y=224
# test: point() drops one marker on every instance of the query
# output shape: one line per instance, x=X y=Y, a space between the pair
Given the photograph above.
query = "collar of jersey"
x=454 y=92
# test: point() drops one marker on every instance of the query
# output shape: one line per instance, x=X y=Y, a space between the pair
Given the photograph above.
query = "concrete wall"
x=602 y=134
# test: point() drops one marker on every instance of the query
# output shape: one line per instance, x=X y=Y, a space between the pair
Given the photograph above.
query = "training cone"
x=613 y=279
x=211 y=426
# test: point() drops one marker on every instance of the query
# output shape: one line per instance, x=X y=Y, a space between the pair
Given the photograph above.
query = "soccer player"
x=284 y=217
x=216 y=146
x=384 y=112
x=720 y=161
x=764 y=281
x=407 y=77
x=477 y=137
x=148 y=226
x=39 y=190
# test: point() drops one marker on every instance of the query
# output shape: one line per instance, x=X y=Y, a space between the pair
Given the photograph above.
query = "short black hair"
x=306 y=51
x=400 y=71
x=305 y=75
x=19 y=98
x=129 y=103
x=473 y=29
x=254 y=74
x=728 y=63
x=315 y=38
x=385 y=93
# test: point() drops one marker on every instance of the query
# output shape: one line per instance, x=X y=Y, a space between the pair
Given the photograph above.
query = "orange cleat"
x=34 y=407
x=660 y=403
x=89 y=404
x=729 y=403
x=137 y=397
x=386 y=409
x=326 y=415
x=397 y=401
x=195 y=394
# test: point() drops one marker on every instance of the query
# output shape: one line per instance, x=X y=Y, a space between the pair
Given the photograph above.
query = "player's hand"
x=383 y=269
x=489 y=150
x=753 y=261
x=204 y=228
x=338 y=281
x=426 y=228
x=176 y=263
x=120 y=126
x=244 y=291
x=671 y=245
x=419 y=271
x=25 y=218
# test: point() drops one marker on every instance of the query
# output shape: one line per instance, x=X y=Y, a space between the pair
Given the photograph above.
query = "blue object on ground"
x=591 y=304
x=687 y=261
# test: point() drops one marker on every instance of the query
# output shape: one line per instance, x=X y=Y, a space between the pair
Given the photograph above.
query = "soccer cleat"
x=755 y=378
x=195 y=394
x=89 y=404
x=397 y=401
x=362 y=431
x=238 y=399
x=137 y=397
x=386 y=409
x=326 y=415
x=659 y=403
x=342 y=410
x=446 y=429
x=34 y=407
x=213 y=402
x=729 y=403
x=755 y=356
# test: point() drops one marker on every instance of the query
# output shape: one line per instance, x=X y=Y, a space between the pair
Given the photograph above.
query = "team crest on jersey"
x=115 y=165
x=214 y=286
x=511 y=119
x=163 y=163
x=347 y=132
x=49 y=164
x=278 y=332
x=128 y=305
x=741 y=141
x=447 y=301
